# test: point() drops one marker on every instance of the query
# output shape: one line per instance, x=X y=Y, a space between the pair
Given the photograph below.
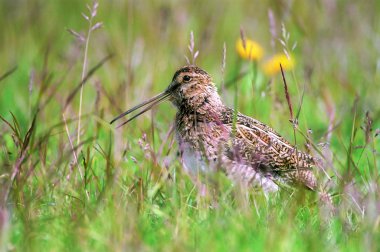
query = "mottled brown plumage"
x=248 y=151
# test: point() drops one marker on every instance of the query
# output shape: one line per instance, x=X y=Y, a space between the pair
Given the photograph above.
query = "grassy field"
x=70 y=181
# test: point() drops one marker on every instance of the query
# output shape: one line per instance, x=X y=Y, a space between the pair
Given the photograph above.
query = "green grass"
x=128 y=191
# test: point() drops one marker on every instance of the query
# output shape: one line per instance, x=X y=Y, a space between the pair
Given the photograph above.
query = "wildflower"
x=249 y=49
x=272 y=66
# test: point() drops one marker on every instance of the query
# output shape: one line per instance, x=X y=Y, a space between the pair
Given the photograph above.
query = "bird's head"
x=191 y=87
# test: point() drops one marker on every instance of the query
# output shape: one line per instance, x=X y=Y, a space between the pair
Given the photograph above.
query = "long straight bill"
x=149 y=103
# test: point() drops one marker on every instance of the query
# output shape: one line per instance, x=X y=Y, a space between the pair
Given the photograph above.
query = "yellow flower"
x=251 y=51
x=272 y=66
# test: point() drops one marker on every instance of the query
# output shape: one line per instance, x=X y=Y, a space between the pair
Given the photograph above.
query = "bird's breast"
x=200 y=145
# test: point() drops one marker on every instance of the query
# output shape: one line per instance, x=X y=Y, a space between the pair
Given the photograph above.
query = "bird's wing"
x=261 y=146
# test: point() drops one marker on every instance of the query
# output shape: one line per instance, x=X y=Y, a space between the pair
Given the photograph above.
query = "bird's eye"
x=186 y=78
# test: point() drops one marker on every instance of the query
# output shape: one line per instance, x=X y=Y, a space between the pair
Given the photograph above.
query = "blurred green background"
x=118 y=196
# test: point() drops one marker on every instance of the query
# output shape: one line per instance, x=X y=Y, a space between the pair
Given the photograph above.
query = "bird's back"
x=263 y=148
x=253 y=148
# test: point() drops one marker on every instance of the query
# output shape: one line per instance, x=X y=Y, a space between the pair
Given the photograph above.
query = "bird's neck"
x=206 y=106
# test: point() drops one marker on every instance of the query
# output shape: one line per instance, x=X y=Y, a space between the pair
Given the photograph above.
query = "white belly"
x=192 y=161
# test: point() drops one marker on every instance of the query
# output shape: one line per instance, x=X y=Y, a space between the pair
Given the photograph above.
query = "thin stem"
x=236 y=98
x=72 y=148
x=304 y=121
x=83 y=76
x=254 y=82
x=236 y=91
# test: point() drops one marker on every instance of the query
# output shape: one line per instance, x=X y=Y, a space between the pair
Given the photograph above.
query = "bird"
x=213 y=137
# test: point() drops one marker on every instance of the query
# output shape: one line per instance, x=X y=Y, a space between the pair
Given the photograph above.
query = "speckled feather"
x=254 y=154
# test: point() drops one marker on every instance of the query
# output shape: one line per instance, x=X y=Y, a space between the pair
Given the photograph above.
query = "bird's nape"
x=146 y=105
